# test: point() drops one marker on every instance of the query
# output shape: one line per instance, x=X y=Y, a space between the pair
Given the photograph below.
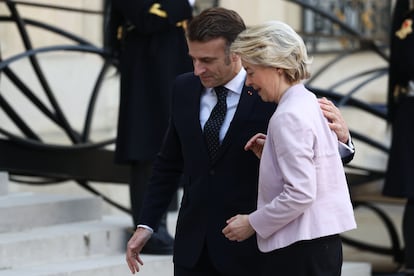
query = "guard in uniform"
x=399 y=180
x=153 y=51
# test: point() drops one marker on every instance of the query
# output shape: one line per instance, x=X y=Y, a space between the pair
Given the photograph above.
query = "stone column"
x=255 y=12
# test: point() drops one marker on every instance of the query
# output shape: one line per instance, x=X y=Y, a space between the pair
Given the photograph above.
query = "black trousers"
x=204 y=267
x=317 y=257
x=408 y=229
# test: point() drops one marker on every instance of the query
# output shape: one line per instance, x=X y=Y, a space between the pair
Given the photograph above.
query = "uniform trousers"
x=408 y=229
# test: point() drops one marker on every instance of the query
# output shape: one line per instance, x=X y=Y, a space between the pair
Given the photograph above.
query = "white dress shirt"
x=209 y=99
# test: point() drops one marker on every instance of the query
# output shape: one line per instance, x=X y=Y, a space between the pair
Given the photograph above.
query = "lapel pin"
x=249 y=92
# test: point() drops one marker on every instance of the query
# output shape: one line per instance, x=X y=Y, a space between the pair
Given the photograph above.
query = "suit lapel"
x=194 y=119
x=247 y=100
x=195 y=104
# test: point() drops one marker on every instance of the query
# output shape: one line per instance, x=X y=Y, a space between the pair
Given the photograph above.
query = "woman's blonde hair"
x=274 y=44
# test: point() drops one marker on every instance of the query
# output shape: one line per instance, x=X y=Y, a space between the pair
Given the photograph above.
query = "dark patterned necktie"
x=214 y=122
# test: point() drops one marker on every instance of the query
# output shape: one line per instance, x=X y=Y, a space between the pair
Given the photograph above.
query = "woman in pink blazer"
x=303 y=198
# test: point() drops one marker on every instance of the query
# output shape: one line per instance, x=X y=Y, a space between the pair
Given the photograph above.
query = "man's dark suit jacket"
x=214 y=191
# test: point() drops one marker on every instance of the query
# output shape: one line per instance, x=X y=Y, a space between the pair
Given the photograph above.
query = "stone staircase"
x=62 y=235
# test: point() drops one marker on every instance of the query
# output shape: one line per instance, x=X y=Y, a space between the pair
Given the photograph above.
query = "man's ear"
x=234 y=57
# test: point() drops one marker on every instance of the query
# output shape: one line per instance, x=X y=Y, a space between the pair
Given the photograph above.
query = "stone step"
x=4 y=183
x=65 y=242
x=96 y=266
x=22 y=211
x=89 y=249
x=356 y=269
x=116 y=265
x=56 y=235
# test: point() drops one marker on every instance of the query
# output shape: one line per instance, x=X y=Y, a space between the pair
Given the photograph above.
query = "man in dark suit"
x=399 y=181
x=153 y=52
x=215 y=187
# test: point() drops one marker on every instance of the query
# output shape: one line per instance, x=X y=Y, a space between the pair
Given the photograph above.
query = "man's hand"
x=336 y=121
x=255 y=144
x=134 y=247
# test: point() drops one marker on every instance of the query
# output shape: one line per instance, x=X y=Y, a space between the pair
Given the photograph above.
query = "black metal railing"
x=27 y=154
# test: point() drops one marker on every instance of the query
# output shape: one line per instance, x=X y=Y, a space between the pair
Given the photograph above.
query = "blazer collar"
x=247 y=100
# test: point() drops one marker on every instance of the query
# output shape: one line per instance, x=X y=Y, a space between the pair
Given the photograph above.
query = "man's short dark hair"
x=214 y=23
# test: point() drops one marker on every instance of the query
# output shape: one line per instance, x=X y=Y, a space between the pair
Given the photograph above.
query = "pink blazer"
x=303 y=192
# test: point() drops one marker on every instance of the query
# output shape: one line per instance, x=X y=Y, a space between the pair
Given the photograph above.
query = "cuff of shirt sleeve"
x=350 y=145
x=346 y=149
x=146 y=227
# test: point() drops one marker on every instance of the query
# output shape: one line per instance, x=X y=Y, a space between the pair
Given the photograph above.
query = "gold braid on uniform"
x=156 y=10
x=407 y=25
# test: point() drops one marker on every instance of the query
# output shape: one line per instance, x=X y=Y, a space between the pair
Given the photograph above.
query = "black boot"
x=161 y=242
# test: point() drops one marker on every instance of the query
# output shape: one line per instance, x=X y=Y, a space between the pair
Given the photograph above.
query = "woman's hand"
x=238 y=228
x=255 y=144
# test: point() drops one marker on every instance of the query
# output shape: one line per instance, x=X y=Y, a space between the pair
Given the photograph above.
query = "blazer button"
x=212 y=172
